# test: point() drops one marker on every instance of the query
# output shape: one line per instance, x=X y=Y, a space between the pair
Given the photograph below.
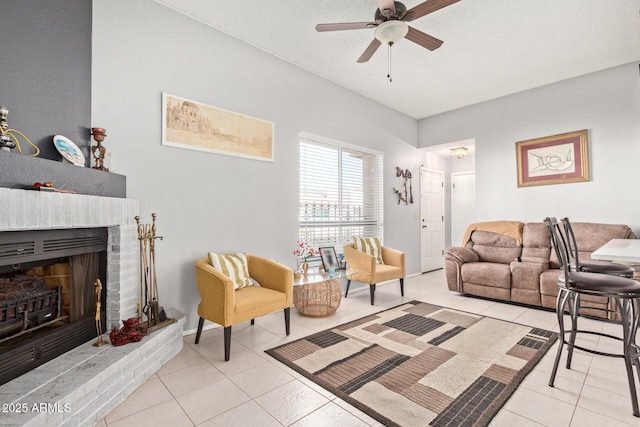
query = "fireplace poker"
x=153 y=300
x=141 y=238
x=160 y=315
x=148 y=295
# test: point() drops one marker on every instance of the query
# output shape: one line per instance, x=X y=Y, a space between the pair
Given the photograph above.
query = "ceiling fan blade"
x=387 y=4
x=369 y=51
x=423 y=39
x=426 y=8
x=345 y=26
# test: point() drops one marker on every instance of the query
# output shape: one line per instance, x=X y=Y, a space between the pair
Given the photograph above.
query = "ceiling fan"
x=390 y=25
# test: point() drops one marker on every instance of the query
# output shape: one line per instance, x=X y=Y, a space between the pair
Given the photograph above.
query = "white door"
x=463 y=204
x=432 y=219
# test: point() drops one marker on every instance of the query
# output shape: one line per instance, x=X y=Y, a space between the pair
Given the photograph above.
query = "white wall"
x=606 y=103
x=208 y=202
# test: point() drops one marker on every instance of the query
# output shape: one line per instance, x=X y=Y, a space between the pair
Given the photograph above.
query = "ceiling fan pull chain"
x=389 y=63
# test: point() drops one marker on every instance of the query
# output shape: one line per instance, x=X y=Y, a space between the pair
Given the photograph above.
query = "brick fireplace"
x=88 y=382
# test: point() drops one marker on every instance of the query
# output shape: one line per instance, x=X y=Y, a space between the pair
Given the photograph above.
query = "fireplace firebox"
x=47 y=294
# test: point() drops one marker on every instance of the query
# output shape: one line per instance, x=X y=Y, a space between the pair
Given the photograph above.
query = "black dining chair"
x=591 y=265
x=624 y=292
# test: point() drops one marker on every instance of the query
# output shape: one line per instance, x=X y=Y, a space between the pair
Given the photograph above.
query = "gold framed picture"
x=556 y=159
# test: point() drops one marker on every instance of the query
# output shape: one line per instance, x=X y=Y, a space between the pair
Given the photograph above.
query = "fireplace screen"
x=47 y=294
x=38 y=296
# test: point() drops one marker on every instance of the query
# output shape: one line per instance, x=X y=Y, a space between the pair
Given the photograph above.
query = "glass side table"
x=318 y=294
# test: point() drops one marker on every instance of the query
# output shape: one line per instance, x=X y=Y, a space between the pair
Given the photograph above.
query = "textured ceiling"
x=491 y=48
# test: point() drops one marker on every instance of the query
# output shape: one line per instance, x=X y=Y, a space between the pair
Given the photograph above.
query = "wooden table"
x=318 y=294
x=619 y=250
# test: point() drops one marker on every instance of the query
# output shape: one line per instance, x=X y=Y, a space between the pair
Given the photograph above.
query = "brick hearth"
x=86 y=383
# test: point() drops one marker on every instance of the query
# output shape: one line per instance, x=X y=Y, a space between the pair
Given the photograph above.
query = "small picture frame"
x=329 y=258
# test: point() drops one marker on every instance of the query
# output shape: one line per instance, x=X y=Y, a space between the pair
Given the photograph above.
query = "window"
x=340 y=192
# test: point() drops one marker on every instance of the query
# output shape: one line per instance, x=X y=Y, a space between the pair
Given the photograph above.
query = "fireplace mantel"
x=21 y=171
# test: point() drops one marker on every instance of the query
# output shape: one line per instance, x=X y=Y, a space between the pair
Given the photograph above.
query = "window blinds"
x=340 y=192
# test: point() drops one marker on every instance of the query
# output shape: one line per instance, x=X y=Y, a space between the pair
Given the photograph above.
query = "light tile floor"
x=198 y=387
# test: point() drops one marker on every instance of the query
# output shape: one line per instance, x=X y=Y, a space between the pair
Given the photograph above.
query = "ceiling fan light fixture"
x=459 y=153
x=391 y=31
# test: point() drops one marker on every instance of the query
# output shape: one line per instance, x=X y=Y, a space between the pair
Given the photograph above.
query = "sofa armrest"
x=454 y=258
x=460 y=255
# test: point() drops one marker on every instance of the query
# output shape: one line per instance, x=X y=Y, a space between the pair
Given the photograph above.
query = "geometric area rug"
x=419 y=364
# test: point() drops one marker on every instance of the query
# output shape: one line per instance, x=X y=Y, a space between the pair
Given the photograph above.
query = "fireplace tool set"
x=135 y=328
x=149 y=304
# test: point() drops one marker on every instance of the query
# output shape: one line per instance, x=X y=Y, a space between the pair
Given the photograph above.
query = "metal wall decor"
x=404 y=195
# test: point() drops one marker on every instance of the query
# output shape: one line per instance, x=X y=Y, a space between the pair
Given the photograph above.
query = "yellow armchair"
x=222 y=304
x=366 y=270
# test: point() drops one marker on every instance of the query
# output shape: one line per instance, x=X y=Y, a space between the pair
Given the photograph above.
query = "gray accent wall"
x=45 y=72
x=211 y=202
x=606 y=103
x=45 y=82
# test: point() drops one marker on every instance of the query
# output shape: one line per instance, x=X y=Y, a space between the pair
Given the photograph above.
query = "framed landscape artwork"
x=556 y=159
x=196 y=126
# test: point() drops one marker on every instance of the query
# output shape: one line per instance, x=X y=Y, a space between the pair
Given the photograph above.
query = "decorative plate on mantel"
x=69 y=150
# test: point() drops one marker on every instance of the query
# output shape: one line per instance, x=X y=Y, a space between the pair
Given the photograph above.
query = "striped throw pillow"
x=233 y=266
x=370 y=246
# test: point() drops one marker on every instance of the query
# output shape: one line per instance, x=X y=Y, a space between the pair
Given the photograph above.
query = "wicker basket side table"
x=317 y=295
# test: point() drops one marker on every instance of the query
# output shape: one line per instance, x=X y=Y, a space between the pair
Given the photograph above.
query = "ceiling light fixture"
x=459 y=153
x=391 y=32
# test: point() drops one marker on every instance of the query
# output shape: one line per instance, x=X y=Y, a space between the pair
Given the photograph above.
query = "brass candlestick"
x=100 y=341
x=98 y=151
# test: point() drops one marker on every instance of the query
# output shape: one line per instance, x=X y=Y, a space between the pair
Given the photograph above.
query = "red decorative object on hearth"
x=132 y=331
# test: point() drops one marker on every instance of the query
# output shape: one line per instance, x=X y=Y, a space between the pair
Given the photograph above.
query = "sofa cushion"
x=234 y=266
x=591 y=236
x=494 y=247
x=487 y=274
x=535 y=241
x=370 y=246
